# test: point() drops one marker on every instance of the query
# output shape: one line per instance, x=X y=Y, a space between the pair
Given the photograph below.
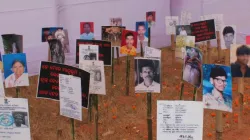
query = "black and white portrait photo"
x=98 y=76
x=147 y=75
x=56 y=51
x=228 y=35
x=20 y=119
x=88 y=52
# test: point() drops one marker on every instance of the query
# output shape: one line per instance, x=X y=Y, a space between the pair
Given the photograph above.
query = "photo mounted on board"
x=112 y=34
x=147 y=75
x=217 y=87
x=88 y=52
x=56 y=51
x=115 y=21
x=228 y=36
x=151 y=18
x=184 y=30
x=142 y=31
x=12 y=43
x=192 y=66
x=62 y=35
x=15 y=70
x=129 y=42
x=87 y=30
x=240 y=60
x=171 y=22
x=48 y=33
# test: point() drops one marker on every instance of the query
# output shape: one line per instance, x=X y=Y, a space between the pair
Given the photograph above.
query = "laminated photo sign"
x=171 y=22
x=104 y=49
x=97 y=76
x=49 y=33
x=48 y=84
x=14 y=119
x=218 y=19
x=87 y=30
x=181 y=42
x=113 y=34
x=179 y=120
x=70 y=96
x=88 y=52
x=228 y=36
x=150 y=52
x=12 y=43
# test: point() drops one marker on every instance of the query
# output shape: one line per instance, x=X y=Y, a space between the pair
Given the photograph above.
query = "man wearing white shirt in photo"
x=141 y=32
x=88 y=35
x=147 y=73
x=183 y=31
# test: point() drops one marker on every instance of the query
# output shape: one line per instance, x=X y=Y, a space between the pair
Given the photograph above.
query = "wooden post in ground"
x=208 y=52
x=127 y=75
x=173 y=47
x=241 y=100
x=218 y=45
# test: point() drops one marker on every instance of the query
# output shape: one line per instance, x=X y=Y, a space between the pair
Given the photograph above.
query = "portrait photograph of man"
x=20 y=119
x=150 y=17
x=56 y=51
x=147 y=75
x=240 y=60
x=129 y=42
x=228 y=35
x=217 y=87
x=87 y=30
x=142 y=31
x=48 y=33
x=184 y=30
x=192 y=66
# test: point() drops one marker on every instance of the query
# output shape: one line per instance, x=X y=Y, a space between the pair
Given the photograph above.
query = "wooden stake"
x=149 y=100
x=112 y=74
x=72 y=128
x=218 y=45
x=195 y=94
x=90 y=108
x=219 y=125
x=172 y=42
x=208 y=52
x=127 y=75
x=182 y=89
x=241 y=100
x=141 y=48
x=96 y=117
x=117 y=55
x=17 y=92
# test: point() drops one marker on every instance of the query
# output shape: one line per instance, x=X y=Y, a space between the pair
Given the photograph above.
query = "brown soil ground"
x=124 y=117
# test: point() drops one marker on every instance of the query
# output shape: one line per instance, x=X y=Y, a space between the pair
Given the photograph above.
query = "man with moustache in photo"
x=218 y=99
x=147 y=73
x=141 y=33
x=240 y=68
x=129 y=47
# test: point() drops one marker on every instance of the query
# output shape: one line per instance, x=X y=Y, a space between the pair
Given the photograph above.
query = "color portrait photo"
x=15 y=70
x=147 y=75
x=240 y=60
x=151 y=17
x=112 y=34
x=12 y=43
x=87 y=30
x=228 y=36
x=184 y=30
x=142 y=31
x=217 y=87
x=192 y=66
x=129 y=42
x=48 y=33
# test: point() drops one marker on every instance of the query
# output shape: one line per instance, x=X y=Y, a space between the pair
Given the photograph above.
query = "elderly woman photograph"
x=14 y=70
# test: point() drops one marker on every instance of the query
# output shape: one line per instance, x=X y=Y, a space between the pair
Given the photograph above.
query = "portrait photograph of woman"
x=15 y=70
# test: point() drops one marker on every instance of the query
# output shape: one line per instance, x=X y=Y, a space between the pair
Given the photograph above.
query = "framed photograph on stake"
x=240 y=60
x=184 y=30
x=142 y=31
x=48 y=33
x=112 y=34
x=171 y=22
x=12 y=43
x=151 y=18
x=192 y=66
x=15 y=70
x=217 y=87
x=147 y=75
x=181 y=43
x=129 y=42
x=115 y=21
x=87 y=30
x=228 y=36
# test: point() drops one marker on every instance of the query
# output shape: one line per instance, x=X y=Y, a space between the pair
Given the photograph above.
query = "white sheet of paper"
x=70 y=96
x=179 y=120
x=185 y=18
x=218 y=19
x=97 y=76
x=14 y=119
x=171 y=22
x=88 y=52
x=150 y=52
x=2 y=92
